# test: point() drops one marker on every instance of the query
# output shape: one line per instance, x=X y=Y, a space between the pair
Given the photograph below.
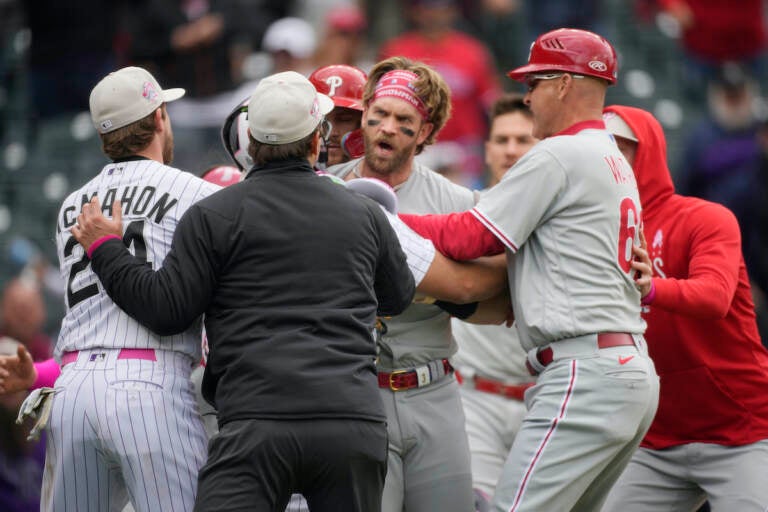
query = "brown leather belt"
x=604 y=340
x=420 y=376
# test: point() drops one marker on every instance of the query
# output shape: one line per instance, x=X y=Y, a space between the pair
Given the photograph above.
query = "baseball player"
x=124 y=424
x=569 y=211
x=405 y=106
x=709 y=439
x=490 y=360
x=344 y=85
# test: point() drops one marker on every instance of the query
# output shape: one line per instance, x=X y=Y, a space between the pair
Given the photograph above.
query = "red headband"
x=399 y=83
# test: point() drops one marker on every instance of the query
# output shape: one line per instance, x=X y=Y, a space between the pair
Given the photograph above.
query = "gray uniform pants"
x=428 y=468
x=681 y=478
x=586 y=416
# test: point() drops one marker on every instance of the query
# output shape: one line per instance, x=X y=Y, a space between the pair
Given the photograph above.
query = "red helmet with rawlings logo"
x=344 y=84
x=570 y=50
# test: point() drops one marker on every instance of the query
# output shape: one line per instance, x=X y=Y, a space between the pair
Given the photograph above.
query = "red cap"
x=346 y=18
x=570 y=50
x=344 y=84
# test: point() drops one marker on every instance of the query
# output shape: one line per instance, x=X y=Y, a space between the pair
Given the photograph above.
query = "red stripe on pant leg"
x=563 y=406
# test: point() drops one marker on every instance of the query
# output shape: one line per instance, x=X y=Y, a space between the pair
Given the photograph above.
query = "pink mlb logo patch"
x=149 y=92
x=315 y=111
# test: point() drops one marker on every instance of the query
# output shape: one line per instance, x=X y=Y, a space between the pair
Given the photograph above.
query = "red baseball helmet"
x=571 y=50
x=344 y=84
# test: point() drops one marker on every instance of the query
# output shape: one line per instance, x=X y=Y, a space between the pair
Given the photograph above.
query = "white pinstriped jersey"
x=153 y=197
x=570 y=210
x=419 y=251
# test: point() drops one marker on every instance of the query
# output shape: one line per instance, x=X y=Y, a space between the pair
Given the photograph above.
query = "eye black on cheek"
x=407 y=131
x=373 y=122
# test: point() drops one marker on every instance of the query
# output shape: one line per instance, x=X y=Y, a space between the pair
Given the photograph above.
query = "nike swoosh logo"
x=625 y=360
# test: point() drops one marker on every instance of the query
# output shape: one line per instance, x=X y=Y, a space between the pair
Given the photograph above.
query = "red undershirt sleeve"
x=459 y=236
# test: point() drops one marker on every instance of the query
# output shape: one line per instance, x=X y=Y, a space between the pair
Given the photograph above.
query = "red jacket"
x=702 y=333
x=724 y=30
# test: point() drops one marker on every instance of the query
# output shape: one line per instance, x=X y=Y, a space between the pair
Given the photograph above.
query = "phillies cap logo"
x=333 y=82
x=149 y=92
x=597 y=65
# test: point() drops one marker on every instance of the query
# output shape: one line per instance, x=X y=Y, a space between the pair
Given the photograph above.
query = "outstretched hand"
x=93 y=225
x=641 y=264
x=17 y=373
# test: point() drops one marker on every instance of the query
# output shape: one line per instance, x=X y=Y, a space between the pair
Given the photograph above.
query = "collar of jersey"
x=582 y=125
x=131 y=158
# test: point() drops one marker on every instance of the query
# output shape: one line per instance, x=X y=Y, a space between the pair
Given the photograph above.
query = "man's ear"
x=424 y=132
x=314 y=145
x=564 y=85
x=159 y=119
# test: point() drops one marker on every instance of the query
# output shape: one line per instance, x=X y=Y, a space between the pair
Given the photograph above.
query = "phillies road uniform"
x=124 y=424
x=570 y=211
x=428 y=467
x=493 y=376
x=709 y=439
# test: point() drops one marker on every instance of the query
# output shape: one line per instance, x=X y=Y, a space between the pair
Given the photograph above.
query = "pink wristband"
x=645 y=301
x=95 y=245
x=47 y=373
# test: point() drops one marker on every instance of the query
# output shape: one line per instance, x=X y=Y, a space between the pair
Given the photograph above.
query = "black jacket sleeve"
x=168 y=300
x=394 y=283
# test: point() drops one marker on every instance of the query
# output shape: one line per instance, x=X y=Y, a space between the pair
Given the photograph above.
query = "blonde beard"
x=168 y=149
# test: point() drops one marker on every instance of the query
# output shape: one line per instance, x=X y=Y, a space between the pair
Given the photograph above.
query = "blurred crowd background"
x=698 y=65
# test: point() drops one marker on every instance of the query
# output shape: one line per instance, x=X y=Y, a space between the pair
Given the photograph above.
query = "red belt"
x=147 y=354
x=516 y=392
x=604 y=340
x=400 y=380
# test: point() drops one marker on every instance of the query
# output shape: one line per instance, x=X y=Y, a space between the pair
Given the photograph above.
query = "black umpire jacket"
x=290 y=270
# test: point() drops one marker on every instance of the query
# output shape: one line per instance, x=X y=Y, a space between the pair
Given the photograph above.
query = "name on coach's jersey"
x=136 y=200
x=620 y=169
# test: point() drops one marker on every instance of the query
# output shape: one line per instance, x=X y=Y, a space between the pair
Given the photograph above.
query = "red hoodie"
x=702 y=333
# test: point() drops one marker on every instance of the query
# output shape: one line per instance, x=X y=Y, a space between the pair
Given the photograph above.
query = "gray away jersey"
x=571 y=211
x=153 y=197
x=422 y=332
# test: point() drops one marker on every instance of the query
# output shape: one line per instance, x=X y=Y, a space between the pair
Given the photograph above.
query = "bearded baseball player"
x=405 y=106
x=569 y=212
x=124 y=424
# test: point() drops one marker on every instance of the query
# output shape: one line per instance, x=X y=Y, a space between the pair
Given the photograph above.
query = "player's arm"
x=496 y=310
x=464 y=282
x=168 y=300
x=459 y=236
x=713 y=268
x=393 y=284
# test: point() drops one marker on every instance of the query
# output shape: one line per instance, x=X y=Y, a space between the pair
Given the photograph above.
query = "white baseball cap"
x=293 y=35
x=285 y=108
x=125 y=96
x=618 y=126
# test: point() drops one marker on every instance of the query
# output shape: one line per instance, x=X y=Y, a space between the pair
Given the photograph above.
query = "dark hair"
x=262 y=153
x=507 y=104
x=130 y=139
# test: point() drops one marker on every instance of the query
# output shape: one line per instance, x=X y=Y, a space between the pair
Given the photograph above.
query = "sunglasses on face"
x=533 y=79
